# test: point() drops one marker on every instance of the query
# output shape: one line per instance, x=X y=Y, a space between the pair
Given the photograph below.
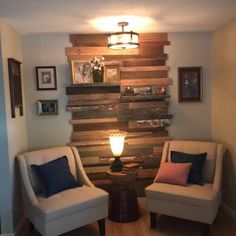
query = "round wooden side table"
x=123 y=202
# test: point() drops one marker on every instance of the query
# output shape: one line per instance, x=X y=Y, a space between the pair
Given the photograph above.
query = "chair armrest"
x=28 y=191
x=80 y=169
x=165 y=152
x=218 y=168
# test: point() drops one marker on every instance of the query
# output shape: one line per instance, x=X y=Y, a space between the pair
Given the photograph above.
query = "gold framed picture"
x=81 y=72
x=112 y=74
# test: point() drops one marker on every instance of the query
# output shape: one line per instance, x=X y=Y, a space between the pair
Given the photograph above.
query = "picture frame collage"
x=46 y=79
x=82 y=73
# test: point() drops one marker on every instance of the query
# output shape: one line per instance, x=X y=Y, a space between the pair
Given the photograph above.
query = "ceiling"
x=84 y=16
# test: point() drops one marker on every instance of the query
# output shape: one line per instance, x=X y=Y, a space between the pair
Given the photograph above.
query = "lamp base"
x=116 y=165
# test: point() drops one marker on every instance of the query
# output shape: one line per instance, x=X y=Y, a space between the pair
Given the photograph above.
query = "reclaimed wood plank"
x=116 y=109
x=149 y=123
x=101 y=39
x=94 y=97
x=95 y=50
x=143 y=68
x=145 y=81
x=143 y=74
x=89 y=121
x=101 y=126
x=148 y=140
x=143 y=98
x=143 y=62
x=123 y=115
x=72 y=90
x=129 y=141
x=103 y=134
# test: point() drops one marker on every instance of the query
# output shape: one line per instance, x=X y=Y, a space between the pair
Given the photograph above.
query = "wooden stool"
x=123 y=202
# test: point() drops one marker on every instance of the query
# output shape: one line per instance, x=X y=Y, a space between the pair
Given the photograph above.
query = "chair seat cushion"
x=70 y=201
x=195 y=195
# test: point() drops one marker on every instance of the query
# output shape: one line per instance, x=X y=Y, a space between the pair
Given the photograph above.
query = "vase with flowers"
x=97 y=64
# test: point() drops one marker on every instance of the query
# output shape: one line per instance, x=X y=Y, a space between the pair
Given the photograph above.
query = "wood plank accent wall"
x=97 y=108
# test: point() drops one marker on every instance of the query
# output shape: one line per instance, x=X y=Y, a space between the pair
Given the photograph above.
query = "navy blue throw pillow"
x=55 y=176
x=197 y=160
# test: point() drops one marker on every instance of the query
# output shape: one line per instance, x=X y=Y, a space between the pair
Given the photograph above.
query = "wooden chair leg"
x=153 y=219
x=206 y=230
x=101 y=226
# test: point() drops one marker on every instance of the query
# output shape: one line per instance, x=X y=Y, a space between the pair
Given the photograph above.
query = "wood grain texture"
x=97 y=108
x=146 y=82
x=101 y=39
x=94 y=51
x=92 y=89
x=143 y=68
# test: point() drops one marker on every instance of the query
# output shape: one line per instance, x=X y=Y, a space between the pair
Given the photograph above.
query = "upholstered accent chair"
x=192 y=202
x=66 y=210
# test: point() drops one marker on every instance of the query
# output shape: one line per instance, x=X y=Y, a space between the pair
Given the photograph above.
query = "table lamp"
x=117 y=139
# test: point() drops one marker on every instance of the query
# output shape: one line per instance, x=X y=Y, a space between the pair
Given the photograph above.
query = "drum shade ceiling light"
x=123 y=39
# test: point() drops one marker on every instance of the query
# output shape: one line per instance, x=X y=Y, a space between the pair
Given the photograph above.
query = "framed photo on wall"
x=46 y=77
x=190 y=84
x=81 y=72
x=112 y=74
x=47 y=107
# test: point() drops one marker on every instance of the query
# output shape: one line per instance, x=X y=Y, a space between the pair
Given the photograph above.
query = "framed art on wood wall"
x=190 y=84
x=112 y=74
x=81 y=72
x=46 y=77
x=47 y=107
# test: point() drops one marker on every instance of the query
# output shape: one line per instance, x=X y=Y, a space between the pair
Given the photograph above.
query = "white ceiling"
x=82 y=16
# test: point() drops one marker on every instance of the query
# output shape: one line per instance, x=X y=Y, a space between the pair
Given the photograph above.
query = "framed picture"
x=47 y=107
x=46 y=77
x=14 y=69
x=190 y=84
x=81 y=72
x=112 y=74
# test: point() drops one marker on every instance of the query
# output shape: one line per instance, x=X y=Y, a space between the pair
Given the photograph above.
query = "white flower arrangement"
x=97 y=63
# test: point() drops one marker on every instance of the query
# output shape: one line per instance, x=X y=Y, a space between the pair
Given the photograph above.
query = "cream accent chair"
x=66 y=210
x=192 y=202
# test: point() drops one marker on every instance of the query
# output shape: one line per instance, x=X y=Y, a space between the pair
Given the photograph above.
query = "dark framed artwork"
x=46 y=77
x=190 y=84
x=47 y=107
x=14 y=69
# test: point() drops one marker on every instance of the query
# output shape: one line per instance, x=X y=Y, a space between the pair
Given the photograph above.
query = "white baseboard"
x=21 y=225
x=228 y=210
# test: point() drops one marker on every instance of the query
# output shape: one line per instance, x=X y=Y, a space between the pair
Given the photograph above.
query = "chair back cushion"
x=43 y=156
x=196 y=147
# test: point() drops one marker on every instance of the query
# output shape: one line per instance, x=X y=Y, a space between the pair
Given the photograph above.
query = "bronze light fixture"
x=123 y=39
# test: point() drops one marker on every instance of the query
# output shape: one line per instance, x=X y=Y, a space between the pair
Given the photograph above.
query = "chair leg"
x=31 y=226
x=206 y=230
x=101 y=226
x=153 y=219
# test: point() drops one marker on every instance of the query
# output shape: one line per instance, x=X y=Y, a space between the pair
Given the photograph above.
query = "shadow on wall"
x=229 y=178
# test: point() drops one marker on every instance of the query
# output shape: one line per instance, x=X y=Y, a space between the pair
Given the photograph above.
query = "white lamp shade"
x=117 y=145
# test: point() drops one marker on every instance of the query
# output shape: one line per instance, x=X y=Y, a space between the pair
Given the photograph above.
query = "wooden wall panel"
x=97 y=108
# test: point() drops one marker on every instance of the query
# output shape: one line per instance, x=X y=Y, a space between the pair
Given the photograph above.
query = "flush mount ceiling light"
x=123 y=39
